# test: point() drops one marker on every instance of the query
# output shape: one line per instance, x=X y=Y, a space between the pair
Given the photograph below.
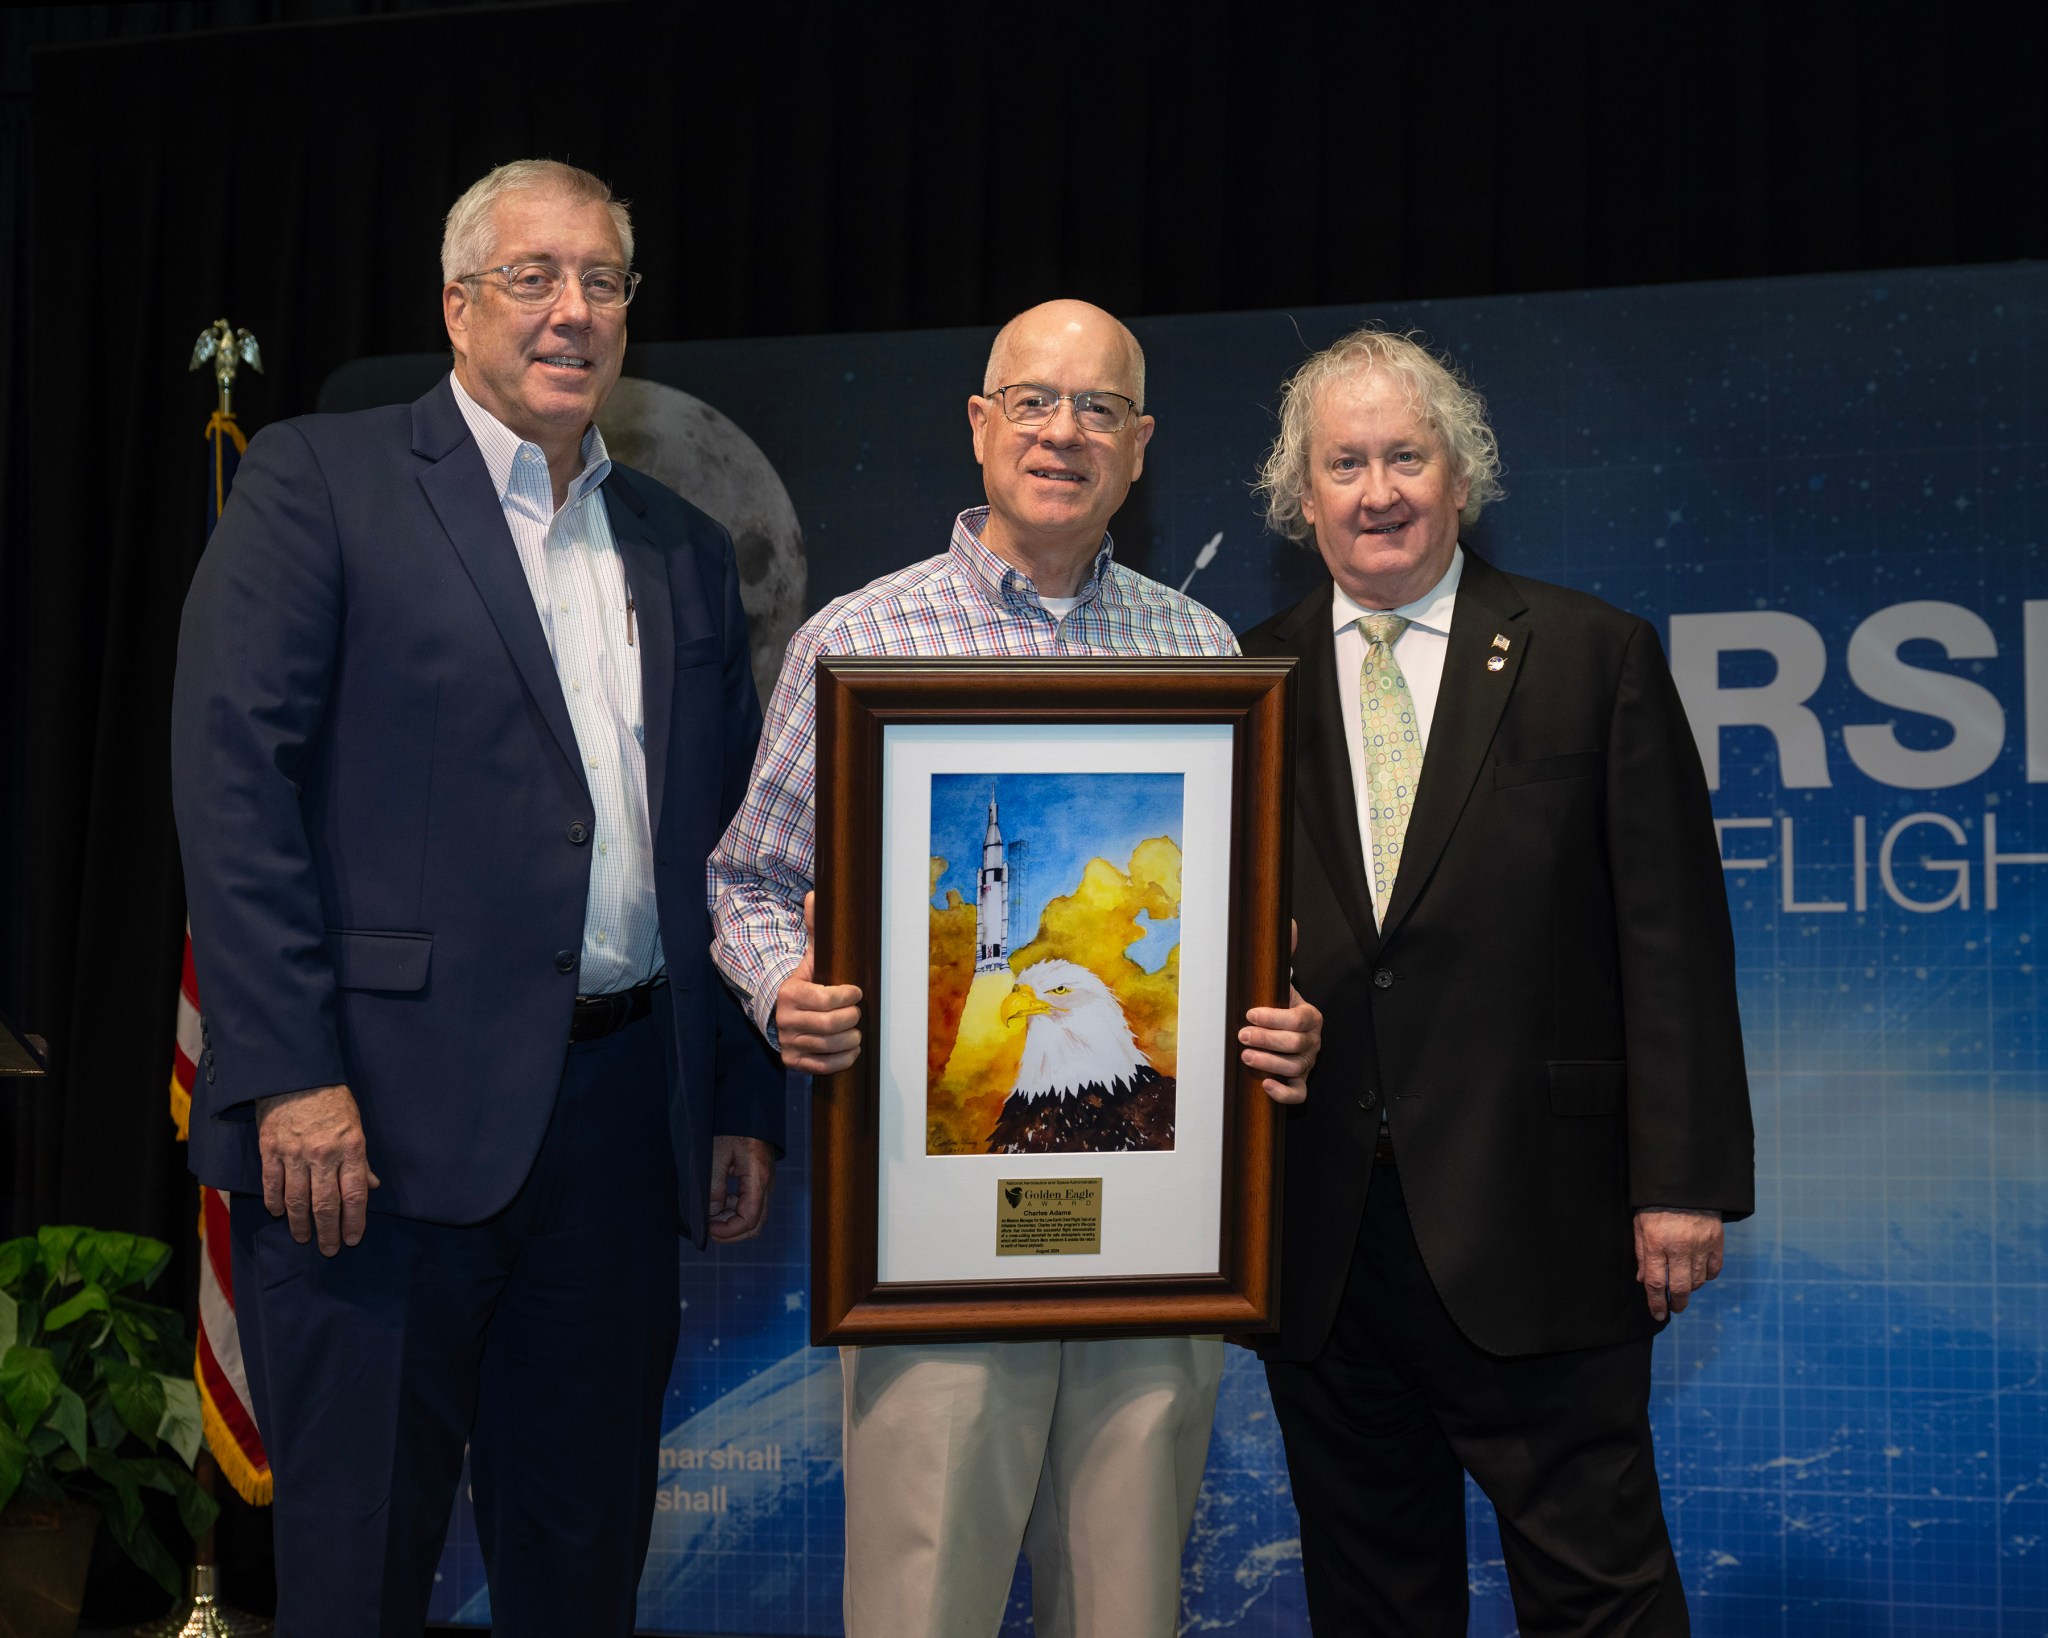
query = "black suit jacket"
x=1549 y=1013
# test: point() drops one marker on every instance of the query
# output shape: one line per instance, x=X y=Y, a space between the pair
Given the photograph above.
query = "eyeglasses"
x=539 y=284
x=1031 y=405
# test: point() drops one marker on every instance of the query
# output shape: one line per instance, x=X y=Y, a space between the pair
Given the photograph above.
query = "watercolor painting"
x=1055 y=962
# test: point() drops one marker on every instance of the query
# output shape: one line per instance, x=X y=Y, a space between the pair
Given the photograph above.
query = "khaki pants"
x=1088 y=1454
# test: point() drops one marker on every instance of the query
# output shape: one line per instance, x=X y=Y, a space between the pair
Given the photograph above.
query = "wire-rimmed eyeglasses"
x=1031 y=405
x=539 y=284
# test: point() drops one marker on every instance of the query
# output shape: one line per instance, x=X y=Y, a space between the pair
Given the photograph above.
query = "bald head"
x=1059 y=326
x=1053 y=483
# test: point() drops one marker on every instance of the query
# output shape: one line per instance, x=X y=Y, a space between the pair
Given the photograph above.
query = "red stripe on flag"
x=213 y=1210
x=229 y=1404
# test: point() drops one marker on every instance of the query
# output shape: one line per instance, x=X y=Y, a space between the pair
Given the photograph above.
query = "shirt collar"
x=504 y=451
x=1003 y=582
x=1431 y=611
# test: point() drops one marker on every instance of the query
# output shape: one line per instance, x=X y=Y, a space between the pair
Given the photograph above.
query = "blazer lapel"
x=1322 y=784
x=458 y=487
x=1468 y=710
x=646 y=567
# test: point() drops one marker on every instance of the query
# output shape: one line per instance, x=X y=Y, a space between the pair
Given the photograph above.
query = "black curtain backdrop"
x=69 y=700
x=801 y=169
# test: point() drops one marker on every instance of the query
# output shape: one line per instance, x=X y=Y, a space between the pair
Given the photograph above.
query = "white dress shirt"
x=1420 y=651
x=578 y=581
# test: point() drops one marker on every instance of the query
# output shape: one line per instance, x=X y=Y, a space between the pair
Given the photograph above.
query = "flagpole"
x=202 y=1615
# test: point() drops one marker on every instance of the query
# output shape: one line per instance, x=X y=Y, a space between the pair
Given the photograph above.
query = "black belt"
x=599 y=1015
x=1383 y=1150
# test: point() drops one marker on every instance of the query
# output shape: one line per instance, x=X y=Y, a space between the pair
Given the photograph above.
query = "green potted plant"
x=97 y=1405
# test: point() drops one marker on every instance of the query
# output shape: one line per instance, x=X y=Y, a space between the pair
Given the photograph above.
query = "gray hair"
x=1438 y=393
x=470 y=236
x=989 y=382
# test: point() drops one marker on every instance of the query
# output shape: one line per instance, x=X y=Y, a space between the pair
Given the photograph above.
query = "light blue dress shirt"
x=578 y=581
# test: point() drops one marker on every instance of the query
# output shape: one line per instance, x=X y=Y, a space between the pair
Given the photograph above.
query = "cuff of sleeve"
x=774 y=974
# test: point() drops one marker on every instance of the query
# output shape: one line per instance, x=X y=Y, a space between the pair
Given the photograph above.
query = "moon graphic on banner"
x=703 y=456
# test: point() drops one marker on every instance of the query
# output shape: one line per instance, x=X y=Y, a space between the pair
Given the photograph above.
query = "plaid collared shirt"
x=967 y=602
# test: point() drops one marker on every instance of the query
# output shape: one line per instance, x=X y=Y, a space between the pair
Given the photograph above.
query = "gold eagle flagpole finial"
x=227 y=349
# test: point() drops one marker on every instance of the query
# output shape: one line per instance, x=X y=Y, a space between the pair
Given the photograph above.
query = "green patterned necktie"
x=1393 y=750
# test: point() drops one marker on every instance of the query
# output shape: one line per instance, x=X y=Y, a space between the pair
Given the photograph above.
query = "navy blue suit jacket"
x=385 y=825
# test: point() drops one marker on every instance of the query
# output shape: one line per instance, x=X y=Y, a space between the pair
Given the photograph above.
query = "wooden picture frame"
x=1236 y=718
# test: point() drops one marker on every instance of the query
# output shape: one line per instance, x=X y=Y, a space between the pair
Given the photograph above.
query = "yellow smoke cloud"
x=952 y=965
x=972 y=1056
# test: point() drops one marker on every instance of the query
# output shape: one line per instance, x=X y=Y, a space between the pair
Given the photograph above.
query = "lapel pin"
x=1494 y=662
x=1500 y=642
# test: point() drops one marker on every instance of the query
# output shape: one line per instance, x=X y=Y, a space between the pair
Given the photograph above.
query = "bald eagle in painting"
x=1083 y=1084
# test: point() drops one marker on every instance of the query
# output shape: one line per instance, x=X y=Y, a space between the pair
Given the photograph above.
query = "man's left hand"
x=1282 y=1042
x=742 y=1178
x=1677 y=1252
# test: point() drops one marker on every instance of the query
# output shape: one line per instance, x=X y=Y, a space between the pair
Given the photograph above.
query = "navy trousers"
x=1382 y=1426
x=542 y=1338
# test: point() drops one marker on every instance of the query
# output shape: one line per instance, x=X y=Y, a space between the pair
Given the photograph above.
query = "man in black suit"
x=1530 y=1119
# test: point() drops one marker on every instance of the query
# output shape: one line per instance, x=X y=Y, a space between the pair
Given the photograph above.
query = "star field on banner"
x=224 y=1399
x=1830 y=497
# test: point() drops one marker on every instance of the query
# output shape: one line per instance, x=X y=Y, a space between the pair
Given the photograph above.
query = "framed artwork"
x=1059 y=885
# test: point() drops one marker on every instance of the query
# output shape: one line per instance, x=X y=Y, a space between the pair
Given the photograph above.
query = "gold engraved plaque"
x=1048 y=1216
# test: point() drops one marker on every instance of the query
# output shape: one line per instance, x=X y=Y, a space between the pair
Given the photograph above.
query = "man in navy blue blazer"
x=461 y=707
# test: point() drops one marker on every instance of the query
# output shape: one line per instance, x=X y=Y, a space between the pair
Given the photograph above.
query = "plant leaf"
x=155 y=1313
x=63 y=1350
x=102 y=1257
x=17 y=1259
x=105 y=1421
x=148 y=1552
x=116 y=1260
x=136 y=1341
x=149 y=1335
x=126 y=1522
x=138 y=1395
x=14 y=1459
x=55 y=1243
x=28 y=1382
x=10 y=1322
x=67 y=1416
x=180 y=1426
x=92 y=1300
x=196 y=1509
x=151 y=1258
x=122 y=1508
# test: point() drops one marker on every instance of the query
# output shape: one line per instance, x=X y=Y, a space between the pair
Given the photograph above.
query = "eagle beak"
x=1022 y=1002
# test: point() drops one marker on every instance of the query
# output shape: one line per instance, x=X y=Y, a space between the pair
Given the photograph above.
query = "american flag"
x=224 y=1401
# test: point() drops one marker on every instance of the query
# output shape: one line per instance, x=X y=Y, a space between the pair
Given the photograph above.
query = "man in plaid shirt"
x=1088 y=1453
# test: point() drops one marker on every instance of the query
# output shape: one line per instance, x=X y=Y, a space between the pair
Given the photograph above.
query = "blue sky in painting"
x=1065 y=820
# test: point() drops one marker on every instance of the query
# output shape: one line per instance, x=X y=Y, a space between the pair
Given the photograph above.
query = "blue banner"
x=1828 y=495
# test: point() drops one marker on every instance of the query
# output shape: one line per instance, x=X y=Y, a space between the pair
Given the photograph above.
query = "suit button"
x=565 y=961
x=1384 y=978
x=579 y=833
x=1369 y=1101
